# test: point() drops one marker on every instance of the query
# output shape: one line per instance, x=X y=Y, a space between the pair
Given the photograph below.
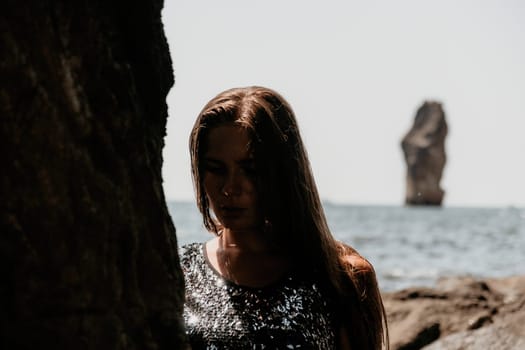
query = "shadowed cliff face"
x=88 y=254
x=424 y=150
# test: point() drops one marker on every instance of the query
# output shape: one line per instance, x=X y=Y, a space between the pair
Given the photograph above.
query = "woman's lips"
x=229 y=211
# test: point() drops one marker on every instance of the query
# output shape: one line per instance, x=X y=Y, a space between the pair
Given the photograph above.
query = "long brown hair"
x=291 y=204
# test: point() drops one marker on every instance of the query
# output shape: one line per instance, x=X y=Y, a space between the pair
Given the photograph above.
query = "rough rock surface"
x=424 y=150
x=88 y=254
x=460 y=313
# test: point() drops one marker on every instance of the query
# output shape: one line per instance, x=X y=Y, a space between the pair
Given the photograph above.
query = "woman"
x=273 y=276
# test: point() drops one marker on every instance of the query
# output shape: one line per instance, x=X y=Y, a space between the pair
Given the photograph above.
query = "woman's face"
x=229 y=178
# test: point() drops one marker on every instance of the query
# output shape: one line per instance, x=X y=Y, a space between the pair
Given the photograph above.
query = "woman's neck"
x=248 y=241
x=247 y=258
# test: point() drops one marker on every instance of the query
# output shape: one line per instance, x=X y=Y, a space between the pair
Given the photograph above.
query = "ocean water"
x=412 y=246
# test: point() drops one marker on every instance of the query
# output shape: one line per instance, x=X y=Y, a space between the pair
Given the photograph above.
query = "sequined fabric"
x=291 y=314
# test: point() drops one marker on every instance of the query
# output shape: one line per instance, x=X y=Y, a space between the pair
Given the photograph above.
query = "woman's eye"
x=250 y=170
x=214 y=169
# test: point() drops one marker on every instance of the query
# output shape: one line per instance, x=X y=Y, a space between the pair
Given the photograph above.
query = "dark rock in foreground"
x=460 y=313
x=424 y=150
x=88 y=256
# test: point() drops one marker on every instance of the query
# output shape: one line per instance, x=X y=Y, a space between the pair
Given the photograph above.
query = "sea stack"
x=424 y=150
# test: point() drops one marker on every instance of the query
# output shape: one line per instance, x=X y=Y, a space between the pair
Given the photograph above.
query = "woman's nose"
x=232 y=185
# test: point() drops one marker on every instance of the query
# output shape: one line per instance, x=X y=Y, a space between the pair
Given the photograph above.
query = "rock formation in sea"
x=88 y=253
x=459 y=313
x=424 y=150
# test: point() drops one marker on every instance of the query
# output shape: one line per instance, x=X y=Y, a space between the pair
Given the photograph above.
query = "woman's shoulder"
x=190 y=253
x=359 y=269
x=190 y=247
x=352 y=259
x=358 y=263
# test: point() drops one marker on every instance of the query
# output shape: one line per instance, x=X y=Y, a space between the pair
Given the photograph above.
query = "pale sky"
x=355 y=73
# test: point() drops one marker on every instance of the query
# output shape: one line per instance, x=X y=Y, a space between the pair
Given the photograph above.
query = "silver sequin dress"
x=219 y=314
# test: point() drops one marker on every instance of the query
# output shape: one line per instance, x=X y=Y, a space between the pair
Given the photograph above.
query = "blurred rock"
x=460 y=313
x=424 y=150
x=88 y=253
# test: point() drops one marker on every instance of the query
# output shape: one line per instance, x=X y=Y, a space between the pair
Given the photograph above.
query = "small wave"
x=416 y=274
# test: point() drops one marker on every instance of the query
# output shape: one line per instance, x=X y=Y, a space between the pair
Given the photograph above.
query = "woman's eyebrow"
x=247 y=161
x=211 y=160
